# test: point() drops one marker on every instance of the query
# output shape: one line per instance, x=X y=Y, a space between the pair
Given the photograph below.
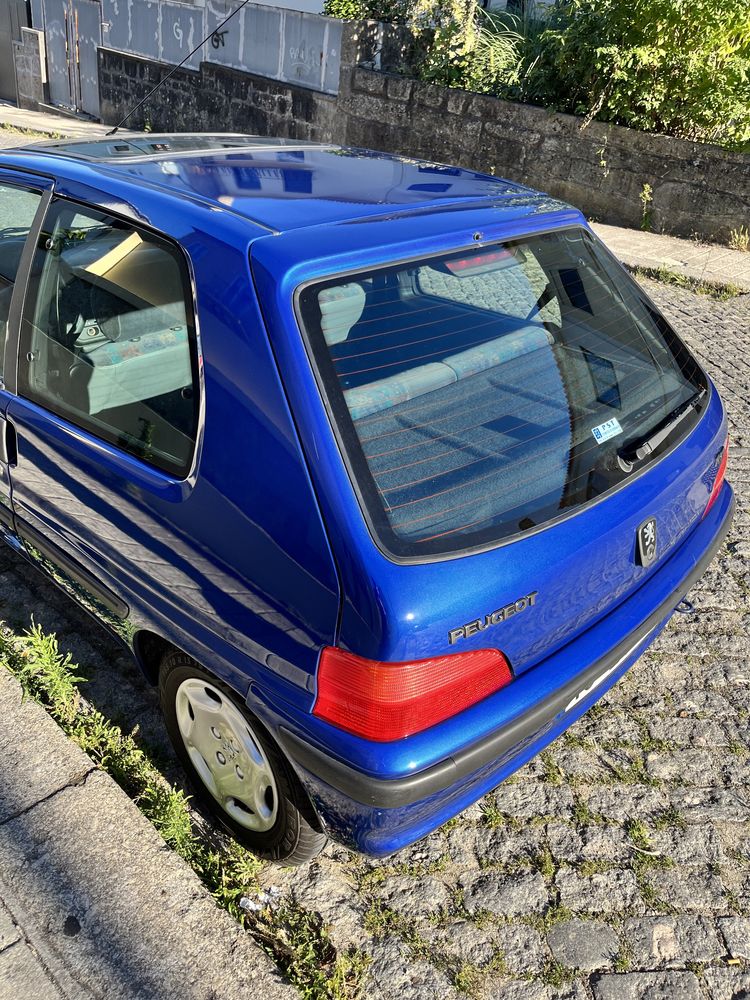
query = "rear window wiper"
x=638 y=450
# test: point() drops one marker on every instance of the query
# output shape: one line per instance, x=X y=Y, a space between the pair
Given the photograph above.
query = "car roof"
x=280 y=184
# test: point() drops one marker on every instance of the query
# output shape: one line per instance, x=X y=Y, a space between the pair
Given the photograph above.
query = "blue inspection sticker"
x=609 y=429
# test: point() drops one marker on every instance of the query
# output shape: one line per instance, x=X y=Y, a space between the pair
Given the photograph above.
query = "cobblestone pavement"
x=614 y=867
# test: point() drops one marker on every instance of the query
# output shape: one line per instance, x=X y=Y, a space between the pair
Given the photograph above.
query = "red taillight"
x=719 y=478
x=387 y=701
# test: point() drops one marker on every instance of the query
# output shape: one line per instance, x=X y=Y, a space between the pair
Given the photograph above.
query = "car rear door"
x=23 y=200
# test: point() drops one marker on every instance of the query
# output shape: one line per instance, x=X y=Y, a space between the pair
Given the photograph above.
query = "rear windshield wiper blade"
x=637 y=451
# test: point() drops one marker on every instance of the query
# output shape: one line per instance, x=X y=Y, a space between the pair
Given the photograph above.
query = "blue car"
x=384 y=470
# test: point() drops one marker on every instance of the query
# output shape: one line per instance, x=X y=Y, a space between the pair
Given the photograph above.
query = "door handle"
x=8 y=443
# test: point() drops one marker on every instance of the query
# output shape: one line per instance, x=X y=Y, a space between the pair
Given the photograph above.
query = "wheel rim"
x=226 y=754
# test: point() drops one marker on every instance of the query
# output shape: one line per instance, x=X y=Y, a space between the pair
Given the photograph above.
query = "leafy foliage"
x=679 y=67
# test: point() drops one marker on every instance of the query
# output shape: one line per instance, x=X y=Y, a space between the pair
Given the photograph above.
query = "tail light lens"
x=387 y=701
x=718 y=481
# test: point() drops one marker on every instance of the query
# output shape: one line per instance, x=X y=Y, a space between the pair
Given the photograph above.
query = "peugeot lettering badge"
x=647 y=542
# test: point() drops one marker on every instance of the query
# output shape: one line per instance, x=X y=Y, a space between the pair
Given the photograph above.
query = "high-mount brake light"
x=479 y=262
x=719 y=479
x=388 y=701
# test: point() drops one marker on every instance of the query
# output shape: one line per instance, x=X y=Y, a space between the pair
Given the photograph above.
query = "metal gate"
x=73 y=31
x=14 y=15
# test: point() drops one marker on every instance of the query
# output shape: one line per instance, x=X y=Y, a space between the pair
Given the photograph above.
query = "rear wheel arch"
x=149 y=649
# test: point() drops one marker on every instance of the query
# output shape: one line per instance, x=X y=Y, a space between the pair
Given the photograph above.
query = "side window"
x=18 y=207
x=108 y=340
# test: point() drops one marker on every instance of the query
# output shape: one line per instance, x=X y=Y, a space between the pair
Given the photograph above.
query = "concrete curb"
x=95 y=904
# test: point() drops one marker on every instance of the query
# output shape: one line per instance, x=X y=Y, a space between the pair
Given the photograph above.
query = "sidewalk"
x=702 y=261
x=92 y=902
x=53 y=125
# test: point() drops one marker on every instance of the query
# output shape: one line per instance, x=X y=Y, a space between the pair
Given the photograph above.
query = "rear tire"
x=236 y=770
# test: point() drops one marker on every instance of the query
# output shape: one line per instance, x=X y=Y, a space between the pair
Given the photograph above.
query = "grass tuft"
x=713 y=290
x=556 y=974
x=296 y=938
x=739 y=239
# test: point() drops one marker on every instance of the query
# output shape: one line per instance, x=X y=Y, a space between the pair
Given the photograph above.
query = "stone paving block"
x=523 y=948
x=690 y=767
x=464 y=941
x=604 y=842
x=525 y=800
x=603 y=892
x=145 y=926
x=21 y=975
x=622 y=802
x=505 y=895
x=416 y=897
x=667 y=941
x=588 y=945
x=323 y=888
x=24 y=599
x=736 y=934
x=710 y=805
x=27 y=749
x=615 y=727
x=463 y=848
x=498 y=845
x=727 y=984
x=395 y=975
x=696 y=844
x=564 y=841
x=696 y=891
x=9 y=932
x=648 y=986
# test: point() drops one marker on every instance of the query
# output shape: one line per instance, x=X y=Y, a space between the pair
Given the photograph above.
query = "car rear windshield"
x=481 y=394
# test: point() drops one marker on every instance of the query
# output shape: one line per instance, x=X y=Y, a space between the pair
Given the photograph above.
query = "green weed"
x=739 y=239
x=295 y=937
x=713 y=290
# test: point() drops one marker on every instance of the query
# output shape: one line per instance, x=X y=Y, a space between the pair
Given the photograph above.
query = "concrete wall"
x=291 y=45
x=696 y=189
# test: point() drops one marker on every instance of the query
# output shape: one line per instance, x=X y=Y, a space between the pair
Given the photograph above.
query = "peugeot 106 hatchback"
x=384 y=470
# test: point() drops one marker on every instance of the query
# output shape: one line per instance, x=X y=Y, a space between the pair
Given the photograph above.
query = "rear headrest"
x=340 y=308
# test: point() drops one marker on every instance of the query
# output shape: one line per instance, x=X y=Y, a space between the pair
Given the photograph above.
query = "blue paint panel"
x=263 y=557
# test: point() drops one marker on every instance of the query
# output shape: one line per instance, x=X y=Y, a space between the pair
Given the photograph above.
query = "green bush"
x=460 y=44
x=678 y=67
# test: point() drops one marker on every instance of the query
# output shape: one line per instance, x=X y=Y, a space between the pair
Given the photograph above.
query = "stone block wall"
x=613 y=174
x=211 y=99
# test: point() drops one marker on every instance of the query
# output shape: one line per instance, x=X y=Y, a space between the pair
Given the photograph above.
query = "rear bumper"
x=378 y=814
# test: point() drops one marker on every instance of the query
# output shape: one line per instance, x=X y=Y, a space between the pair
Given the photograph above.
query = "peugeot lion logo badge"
x=647 y=541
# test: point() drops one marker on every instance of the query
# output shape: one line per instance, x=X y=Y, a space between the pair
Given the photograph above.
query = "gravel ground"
x=614 y=867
